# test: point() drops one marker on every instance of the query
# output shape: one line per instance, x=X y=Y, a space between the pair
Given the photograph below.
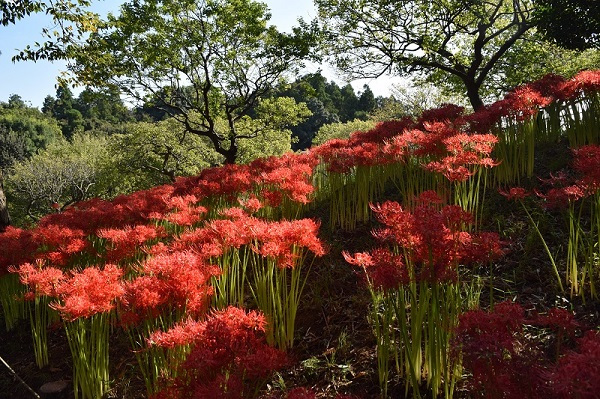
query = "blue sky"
x=34 y=81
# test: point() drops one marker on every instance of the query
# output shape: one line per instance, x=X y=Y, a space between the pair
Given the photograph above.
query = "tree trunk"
x=4 y=216
x=473 y=95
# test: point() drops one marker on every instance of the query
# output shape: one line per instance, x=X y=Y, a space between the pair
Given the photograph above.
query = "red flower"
x=497 y=355
x=587 y=163
x=229 y=346
x=301 y=393
x=90 y=291
x=515 y=193
x=576 y=375
x=40 y=280
x=561 y=320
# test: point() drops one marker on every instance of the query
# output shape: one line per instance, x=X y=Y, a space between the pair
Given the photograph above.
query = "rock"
x=54 y=390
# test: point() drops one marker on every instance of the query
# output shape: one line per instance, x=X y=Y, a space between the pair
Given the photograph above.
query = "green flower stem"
x=554 y=267
x=88 y=341
x=13 y=308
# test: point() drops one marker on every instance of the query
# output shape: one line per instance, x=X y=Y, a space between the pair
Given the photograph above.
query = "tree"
x=102 y=109
x=462 y=39
x=203 y=60
x=153 y=153
x=341 y=130
x=573 y=24
x=70 y=119
x=25 y=126
x=4 y=215
x=366 y=103
x=349 y=104
x=71 y=21
x=304 y=132
x=60 y=175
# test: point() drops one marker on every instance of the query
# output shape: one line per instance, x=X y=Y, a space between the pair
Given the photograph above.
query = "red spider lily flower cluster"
x=587 y=163
x=576 y=375
x=276 y=240
x=561 y=320
x=229 y=352
x=91 y=291
x=270 y=179
x=40 y=281
x=431 y=243
x=465 y=152
x=505 y=362
x=445 y=113
x=123 y=242
x=566 y=189
x=501 y=365
x=515 y=193
x=76 y=293
x=168 y=282
x=436 y=139
x=18 y=246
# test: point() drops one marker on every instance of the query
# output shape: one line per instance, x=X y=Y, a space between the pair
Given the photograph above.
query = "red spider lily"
x=525 y=102
x=301 y=393
x=40 y=280
x=95 y=214
x=447 y=112
x=182 y=202
x=587 y=163
x=432 y=239
x=549 y=85
x=18 y=246
x=576 y=375
x=384 y=270
x=561 y=197
x=502 y=366
x=431 y=142
x=88 y=292
x=184 y=333
x=123 y=242
x=485 y=118
x=362 y=148
x=58 y=244
x=179 y=280
x=515 y=193
x=560 y=319
x=279 y=240
x=384 y=130
x=586 y=81
x=251 y=204
x=465 y=151
x=485 y=247
x=229 y=346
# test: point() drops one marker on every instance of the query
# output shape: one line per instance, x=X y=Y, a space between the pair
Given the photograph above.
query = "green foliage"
x=268 y=133
x=149 y=154
x=573 y=24
x=199 y=61
x=535 y=58
x=12 y=148
x=71 y=21
x=549 y=57
x=102 y=110
x=328 y=103
x=411 y=100
x=61 y=174
x=456 y=39
x=24 y=130
x=341 y=130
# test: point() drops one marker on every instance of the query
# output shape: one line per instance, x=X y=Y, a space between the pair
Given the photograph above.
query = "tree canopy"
x=461 y=38
x=574 y=24
x=71 y=21
x=202 y=61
